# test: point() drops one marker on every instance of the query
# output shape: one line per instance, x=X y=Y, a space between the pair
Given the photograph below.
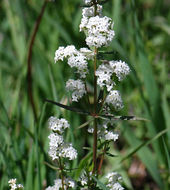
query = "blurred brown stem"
x=101 y=160
x=29 y=66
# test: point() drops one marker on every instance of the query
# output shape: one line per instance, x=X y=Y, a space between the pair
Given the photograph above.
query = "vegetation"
x=142 y=40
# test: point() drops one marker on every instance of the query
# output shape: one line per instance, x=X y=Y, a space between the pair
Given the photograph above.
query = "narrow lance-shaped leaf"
x=70 y=108
x=123 y=117
x=144 y=144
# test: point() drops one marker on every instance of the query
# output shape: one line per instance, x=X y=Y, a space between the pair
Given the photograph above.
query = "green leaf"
x=86 y=123
x=100 y=184
x=144 y=144
x=69 y=108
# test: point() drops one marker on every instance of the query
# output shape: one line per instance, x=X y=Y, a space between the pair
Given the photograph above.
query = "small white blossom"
x=113 y=181
x=87 y=2
x=110 y=135
x=104 y=131
x=89 y=11
x=53 y=153
x=67 y=151
x=106 y=71
x=98 y=31
x=87 y=53
x=14 y=186
x=77 y=87
x=57 y=147
x=120 y=68
x=85 y=177
x=75 y=59
x=83 y=24
x=114 y=99
x=64 y=52
x=68 y=182
x=55 y=140
x=79 y=61
x=58 y=125
x=104 y=74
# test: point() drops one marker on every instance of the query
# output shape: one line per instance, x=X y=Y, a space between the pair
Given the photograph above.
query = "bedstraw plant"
x=57 y=161
x=105 y=102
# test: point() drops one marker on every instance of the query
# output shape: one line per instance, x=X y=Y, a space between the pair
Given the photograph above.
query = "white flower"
x=110 y=135
x=77 y=87
x=105 y=131
x=79 y=61
x=104 y=74
x=87 y=2
x=75 y=59
x=98 y=31
x=120 y=68
x=115 y=186
x=114 y=99
x=68 y=182
x=106 y=71
x=83 y=24
x=58 y=125
x=89 y=11
x=87 y=53
x=13 y=185
x=57 y=146
x=113 y=179
x=67 y=151
x=55 y=140
x=63 y=52
x=53 y=153
x=85 y=177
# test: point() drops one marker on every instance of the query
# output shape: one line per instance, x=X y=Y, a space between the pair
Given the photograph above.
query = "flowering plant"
x=106 y=75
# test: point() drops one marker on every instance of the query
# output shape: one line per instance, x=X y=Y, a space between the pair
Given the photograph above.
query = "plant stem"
x=62 y=177
x=29 y=66
x=101 y=160
x=95 y=103
x=95 y=120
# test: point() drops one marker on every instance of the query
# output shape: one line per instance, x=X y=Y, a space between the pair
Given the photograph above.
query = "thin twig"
x=29 y=66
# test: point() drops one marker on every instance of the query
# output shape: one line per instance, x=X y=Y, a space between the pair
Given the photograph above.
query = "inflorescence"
x=99 y=33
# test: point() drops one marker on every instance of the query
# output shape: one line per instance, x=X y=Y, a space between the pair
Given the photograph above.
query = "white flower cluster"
x=104 y=132
x=13 y=185
x=85 y=178
x=98 y=29
x=68 y=183
x=87 y=2
x=58 y=125
x=77 y=87
x=77 y=59
x=113 y=181
x=57 y=147
x=105 y=73
x=114 y=99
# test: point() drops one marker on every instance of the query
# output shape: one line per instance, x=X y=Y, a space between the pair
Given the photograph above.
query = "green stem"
x=95 y=109
x=95 y=103
x=61 y=169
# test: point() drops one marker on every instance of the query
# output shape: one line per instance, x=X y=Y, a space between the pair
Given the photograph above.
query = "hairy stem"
x=29 y=66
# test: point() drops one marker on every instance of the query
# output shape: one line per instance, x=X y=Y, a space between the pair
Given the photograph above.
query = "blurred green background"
x=142 y=40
